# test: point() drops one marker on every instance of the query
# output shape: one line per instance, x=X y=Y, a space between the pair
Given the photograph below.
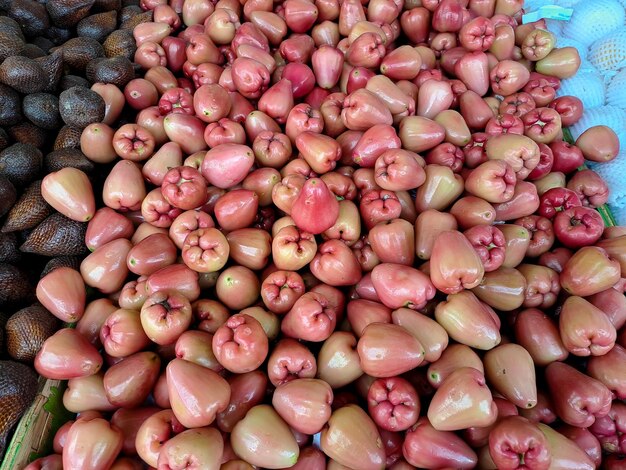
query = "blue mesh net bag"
x=594 y=19
x=563 y=41
x=588 y=86
x=616 y=90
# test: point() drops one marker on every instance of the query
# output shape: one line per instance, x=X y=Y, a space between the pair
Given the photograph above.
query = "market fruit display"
x=320 y=235
x=45 y=100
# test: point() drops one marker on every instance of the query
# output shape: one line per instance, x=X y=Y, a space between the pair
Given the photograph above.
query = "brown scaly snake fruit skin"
x=18 y=387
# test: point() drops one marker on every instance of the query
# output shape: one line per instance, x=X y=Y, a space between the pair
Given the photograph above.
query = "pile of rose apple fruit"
x=352 y=220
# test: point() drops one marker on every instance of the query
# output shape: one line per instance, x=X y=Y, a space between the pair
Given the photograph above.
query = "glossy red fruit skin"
x=566 y=157
x=106 y=226
x=316 y=208
x=569 y=107
x=425 y=447
x=305 y=404
x=76 y=358
x=184 y=187
x=312 y=318
x=556 y=200
x=301 y=77
x=151 y=254
x=477 y=34
x=578 y=399
x=515 y=440
x=84 y=450
x=176 y=100
x=489 y=242
x=578 y=226
x=592 y=190
x=240 y=344
x=193 y=406
x=129 y=382
x=374 y=142
x=211 y=103
x=236 y=209
x=133 y=142
x=335 y=264
x=402 y=286
x=62 y=292
x=393 y=403
x=227 y=165
x=454 y=264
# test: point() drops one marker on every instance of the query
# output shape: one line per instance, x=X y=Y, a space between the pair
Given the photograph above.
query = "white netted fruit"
x=595 y=19
x=616 y=90
x=555 y=27
x=588 y=86
x=609 y=53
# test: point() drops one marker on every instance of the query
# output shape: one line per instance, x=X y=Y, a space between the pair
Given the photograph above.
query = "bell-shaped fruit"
x=66 y=355
x=565 y=452
x=561 y=62
x=428 y=225
x=585 y=329
x=129 y=382
x=516 y=441
x=463 y=400
x=105 y=269
x=196 y=393
x=202 y=447
x=502 y=289
x=426 y=447
x=473 y=70
x=316 y=208
x=107 y=225
x=469 y=321
x=304 y=404
x=86 y=394
x=387 y=350
x=427 y=331
x=537 y=333
x=509 y=368
x=578 y=399
x=338 y=361
x=263 y=439
x=352 y=439
x=441 y=188
x=454 y=264
x=456 y=356
x=62 y=292
x=91 y=443
x=398 y=286
x=610 y=369
x=69 y=191
x=598 y=144
x=246 y=390
x=589 y=271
